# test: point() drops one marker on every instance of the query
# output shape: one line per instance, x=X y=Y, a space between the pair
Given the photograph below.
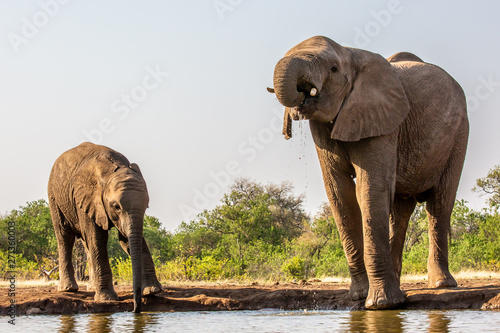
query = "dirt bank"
x=471 y=294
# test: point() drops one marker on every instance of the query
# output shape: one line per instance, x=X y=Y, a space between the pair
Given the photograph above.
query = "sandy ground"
x=472 y=293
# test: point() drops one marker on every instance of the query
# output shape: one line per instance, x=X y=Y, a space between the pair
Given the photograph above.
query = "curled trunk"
x=288 y=73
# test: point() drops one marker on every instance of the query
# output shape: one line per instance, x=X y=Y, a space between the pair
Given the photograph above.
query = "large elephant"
x=388 y=134
x=91 y=189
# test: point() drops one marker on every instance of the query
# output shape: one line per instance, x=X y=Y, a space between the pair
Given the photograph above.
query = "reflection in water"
x=357 y=321
x=439 y=322
x=399 y=321
x=376 y=321
x=268 y=320
x=67 y=324
x=126 y=322
x=99 y=322
x=143 y=321
x=105 y=323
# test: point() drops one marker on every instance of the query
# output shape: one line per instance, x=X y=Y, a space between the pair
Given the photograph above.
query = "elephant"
x=388 y=133
x=91 y=189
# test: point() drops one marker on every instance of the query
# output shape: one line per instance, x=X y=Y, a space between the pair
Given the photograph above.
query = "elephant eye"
x=116 y=206
x=334 y=69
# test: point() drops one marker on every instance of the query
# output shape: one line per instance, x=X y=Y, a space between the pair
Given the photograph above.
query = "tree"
x=464 y=220
x=252 y=221
x=158 y=239
x=34 y=238
x=287 y=210
x=490 y=185
x=321 y=231
x=34 y=233
x=194 y=238
x=417 y=227
x=253 y=211
x=80 y=260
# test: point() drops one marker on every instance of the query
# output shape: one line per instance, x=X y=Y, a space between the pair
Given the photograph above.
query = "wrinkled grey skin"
x=388 y=133
x=91 y=189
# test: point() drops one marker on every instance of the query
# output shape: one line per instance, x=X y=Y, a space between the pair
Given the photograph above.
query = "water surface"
x=264 y=321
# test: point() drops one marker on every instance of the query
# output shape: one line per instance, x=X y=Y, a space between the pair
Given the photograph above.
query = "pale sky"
x=179 y=87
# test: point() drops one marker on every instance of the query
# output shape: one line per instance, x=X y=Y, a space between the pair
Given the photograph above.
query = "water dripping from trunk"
x=303 y=146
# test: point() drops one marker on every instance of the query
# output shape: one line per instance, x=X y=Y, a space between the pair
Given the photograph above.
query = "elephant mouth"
x=308 y=105
x=307 y=108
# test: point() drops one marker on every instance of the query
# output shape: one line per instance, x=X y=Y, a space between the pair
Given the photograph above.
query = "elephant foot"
x=67 y=286
x=439 y=278
x=105 y=295
x=151 y=290
x=446 y=283
x=91 y=286
x=385 y=297
x=151 y=287
x=359 y=287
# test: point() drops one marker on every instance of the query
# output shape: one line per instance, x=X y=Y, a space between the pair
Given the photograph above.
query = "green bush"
x=332 y=263
x=206 y=268
x=172 y=270
x=24 y=269
x=415 y=259
x=122 y=270
x=294 y=268
x=257 y=232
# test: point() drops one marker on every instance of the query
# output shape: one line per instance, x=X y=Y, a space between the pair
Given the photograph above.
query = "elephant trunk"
x=135 y=246
x=290 y=83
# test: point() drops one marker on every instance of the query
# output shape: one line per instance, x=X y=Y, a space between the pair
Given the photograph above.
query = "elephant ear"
x=377 y=104
x=88 y=190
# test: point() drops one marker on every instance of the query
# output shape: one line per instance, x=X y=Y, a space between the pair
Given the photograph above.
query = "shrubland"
x=256 y=232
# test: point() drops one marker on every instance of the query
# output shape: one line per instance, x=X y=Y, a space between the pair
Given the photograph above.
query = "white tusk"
x=313 y=92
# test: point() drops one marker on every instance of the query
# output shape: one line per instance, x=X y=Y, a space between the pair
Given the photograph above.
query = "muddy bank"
x=470 y=294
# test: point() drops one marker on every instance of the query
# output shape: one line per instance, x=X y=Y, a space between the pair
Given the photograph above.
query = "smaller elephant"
x=91 y=189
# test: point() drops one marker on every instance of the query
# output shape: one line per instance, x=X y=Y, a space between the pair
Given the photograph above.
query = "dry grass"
x=228 y=282
x=336 y=279
x=477 y=275
x=460 y=275
x=412 y=278
x=30 y=283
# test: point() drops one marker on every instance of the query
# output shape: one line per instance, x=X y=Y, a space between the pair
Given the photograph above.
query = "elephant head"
x=119 y=198
x=355 y=90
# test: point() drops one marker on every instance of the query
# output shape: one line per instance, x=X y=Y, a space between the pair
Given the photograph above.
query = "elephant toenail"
x=441 y=284
x=382 y=302
x=369 y=303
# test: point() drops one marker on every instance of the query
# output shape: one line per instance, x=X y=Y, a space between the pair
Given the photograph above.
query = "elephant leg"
x=92 y=279
x=375 y=161
x=96 y=241
x=400 y=216
x=150 y=283
x=439 y=214
x=65 y=241
x=384 y=289
x=341 y=192
x=440 y=205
